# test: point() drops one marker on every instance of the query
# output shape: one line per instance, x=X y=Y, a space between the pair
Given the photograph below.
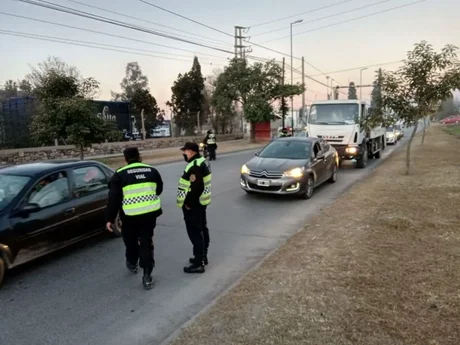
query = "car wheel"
x=117 y=227
x=307 y=192
x=333 y=178
x=2 y=271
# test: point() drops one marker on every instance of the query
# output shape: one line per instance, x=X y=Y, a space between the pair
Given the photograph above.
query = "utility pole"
x=361 y=82
x=292 y=77
x=303 y=84
x=143 y=124
x=283 y=100
x=240 y=51
x=327 y=87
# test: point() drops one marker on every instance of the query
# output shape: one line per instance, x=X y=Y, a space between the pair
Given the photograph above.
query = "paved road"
x=84 y=295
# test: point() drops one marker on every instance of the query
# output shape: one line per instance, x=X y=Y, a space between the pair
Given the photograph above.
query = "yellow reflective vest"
x=139 y=194
x=184 y=185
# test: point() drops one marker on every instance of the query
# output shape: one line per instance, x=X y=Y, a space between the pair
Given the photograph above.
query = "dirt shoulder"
x=173 y=154
x=381 y=268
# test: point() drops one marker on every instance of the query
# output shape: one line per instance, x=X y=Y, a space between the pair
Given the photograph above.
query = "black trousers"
x=194 y=223
x=205 y=232
x=212 y=151
x=138 y=238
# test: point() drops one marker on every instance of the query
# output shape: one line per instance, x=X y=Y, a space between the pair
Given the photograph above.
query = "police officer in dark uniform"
x=211 y=143
x=193 y=196
x=284 y=133
x=135 y=191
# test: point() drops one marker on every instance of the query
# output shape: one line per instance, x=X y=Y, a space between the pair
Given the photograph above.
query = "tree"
x=134 y=80
x=40 y=74
x=414 y=91
x=135 y=89
x=352 y=91
x=25 y=86
x=10 y=89
x=187 y=99
x=143 y=100
x=256 y=88
x=376 y=95
x=66 y=111
x=223 y=104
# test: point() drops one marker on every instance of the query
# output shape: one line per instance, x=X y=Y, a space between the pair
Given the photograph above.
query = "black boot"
x=205 y=260
x=195 y=268
x=131 y=267
x=147 y=280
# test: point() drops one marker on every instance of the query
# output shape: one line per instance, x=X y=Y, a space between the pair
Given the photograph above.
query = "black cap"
x=191 y=146
x=131 y=153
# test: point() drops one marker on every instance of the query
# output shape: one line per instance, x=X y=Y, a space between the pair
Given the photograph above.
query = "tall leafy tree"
x=66 y=111
x=352 y=94
x=257 y=88
x=10 y=89
x=376 y=95
x=414 y=91
x=135 y=89
x=187 y=99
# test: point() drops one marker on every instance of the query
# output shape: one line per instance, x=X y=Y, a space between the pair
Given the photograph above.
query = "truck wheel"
x=361 y=162
x=2 y=271
x=384 y=143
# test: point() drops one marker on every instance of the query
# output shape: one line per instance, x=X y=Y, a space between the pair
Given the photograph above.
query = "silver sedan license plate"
x=263 y=183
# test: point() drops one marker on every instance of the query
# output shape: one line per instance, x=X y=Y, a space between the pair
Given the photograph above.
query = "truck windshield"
x=333 y=114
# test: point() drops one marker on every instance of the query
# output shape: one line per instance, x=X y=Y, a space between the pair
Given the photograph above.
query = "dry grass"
x=381 y=268
x=173 y=154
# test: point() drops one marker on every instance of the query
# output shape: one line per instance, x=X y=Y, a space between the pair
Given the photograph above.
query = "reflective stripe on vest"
x=139 y=198
x=211 y=139
x=184 y=186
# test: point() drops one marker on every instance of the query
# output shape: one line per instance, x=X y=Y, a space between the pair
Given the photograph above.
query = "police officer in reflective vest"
x=134 y=193
x=193 y=195
x=211 y=142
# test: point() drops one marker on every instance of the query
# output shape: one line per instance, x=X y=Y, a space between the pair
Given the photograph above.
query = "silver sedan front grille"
x=266 y=174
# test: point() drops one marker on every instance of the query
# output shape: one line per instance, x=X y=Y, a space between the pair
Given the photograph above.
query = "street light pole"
x=292 y=78
x=361 y=83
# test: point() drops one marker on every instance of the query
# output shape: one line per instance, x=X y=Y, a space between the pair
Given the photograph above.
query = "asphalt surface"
x=84 y=295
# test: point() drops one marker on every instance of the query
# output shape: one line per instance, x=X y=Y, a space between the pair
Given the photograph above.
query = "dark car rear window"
x=286 y=149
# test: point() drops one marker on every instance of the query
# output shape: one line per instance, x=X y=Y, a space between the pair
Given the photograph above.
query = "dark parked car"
x=46 y=206
x=292 y=165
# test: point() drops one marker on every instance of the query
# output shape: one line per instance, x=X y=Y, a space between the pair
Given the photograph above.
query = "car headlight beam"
x=296 y=172
x=244 y=169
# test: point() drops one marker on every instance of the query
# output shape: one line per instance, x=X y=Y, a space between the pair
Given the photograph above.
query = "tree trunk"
x=408 y=148
x=424 y=131
x=82 y=152
x=253 y=132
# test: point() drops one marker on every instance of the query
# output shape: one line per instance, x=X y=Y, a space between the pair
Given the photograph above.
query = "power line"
x=148 y=21
x=356 y=68
x=350 y=20
x=322 y=18
x=83 y=14
x=300 y=14
x=95 y=45
x=104 y=33
x=186 y=18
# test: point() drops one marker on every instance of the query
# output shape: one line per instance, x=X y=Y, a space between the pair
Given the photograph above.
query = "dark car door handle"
x=69 y=210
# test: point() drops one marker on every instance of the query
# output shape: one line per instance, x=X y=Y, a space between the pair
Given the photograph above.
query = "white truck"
x=338 y=122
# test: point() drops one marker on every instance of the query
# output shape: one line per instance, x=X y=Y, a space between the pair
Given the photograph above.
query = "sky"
x=330 y=39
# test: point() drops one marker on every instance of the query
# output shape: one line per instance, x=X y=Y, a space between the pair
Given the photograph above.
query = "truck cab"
x=338 y=122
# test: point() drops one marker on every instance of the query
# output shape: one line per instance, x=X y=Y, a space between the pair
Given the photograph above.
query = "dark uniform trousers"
x=205 y=231
x=195 y=224
x=138 y=237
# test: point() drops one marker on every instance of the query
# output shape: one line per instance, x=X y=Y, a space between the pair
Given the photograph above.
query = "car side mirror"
x=320 y=157
x=26 y=209
x=30 y=208
x=256 y=154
